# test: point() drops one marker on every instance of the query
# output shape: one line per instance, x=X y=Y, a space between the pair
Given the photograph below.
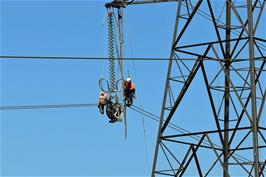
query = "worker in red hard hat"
x=129 y=88
x=102 y=101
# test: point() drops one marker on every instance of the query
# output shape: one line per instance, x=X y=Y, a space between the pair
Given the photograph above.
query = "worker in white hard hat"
x=129 y=88
x=102 y=101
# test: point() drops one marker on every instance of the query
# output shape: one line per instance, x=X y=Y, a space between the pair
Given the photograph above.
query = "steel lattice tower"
x=228 y=61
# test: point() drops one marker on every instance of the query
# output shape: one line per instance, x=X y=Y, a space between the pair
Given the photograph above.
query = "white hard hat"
x=128 y=79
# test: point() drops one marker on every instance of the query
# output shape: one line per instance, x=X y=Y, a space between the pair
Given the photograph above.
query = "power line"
x=105 y=58
x=81 y=58
x=16 y=107
x=175 y=127
x=56 y=106
x=156 y=118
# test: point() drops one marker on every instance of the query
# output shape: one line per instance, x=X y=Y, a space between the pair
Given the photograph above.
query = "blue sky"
x=80 y=141
x=76 y=141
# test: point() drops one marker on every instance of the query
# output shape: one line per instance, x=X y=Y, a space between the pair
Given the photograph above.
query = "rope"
x=145 y=139
x=145 y=143
x=142 y=116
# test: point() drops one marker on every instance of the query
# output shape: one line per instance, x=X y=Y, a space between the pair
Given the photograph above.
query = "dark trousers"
x=129 y=92
x=101 y=108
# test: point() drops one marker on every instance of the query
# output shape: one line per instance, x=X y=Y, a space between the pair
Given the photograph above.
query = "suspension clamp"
x=115 y=4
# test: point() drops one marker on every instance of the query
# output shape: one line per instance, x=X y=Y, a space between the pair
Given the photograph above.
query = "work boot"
x=101 y=110
x=112 y=121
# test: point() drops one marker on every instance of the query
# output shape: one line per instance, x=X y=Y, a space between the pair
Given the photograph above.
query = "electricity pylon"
x=225 y=58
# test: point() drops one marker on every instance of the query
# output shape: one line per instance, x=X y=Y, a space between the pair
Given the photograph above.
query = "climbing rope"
x=142 y=116
x=111 y=50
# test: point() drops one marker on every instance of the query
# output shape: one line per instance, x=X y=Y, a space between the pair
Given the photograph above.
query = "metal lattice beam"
x=237 y=137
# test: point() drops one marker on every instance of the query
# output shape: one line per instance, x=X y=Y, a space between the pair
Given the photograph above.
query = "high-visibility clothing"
x=129 y=86
x=103 y=98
